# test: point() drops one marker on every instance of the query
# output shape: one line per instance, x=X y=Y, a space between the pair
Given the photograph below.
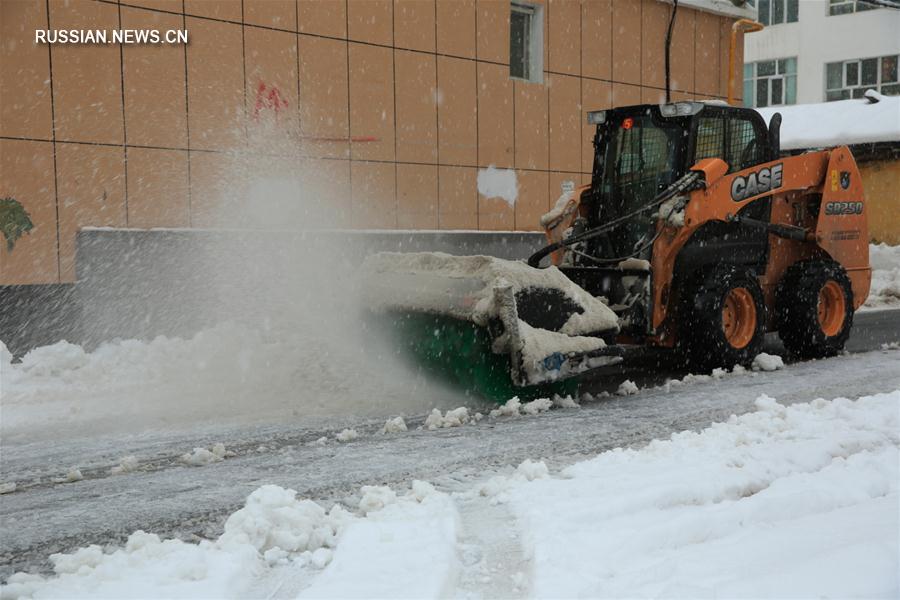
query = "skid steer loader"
x=696 y=234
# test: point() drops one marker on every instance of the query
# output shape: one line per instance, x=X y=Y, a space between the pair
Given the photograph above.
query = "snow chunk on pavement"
x=347 y=435
x=73 y=475
x=395 y=425
x=627 y=388
x=510 y=409
x=453 y=418
x=533 y=470
x=126 y=464
x=565 y=402
x=789 y=501
x=8 y=488
x=536 y=406
x=204 y=456
x=767 y=362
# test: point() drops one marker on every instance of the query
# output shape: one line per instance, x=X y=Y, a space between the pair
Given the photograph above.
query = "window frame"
x=778 y=74
x=785 y=11
x=534 y=46
x=878 y=86
x=854 y=7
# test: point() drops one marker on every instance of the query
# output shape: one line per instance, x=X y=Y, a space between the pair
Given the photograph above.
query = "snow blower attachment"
x=696 y=235
x=493 y=327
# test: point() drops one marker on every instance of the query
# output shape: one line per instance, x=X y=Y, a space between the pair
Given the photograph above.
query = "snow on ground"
x=885 y=291
x=784 y=502
x=798 y=501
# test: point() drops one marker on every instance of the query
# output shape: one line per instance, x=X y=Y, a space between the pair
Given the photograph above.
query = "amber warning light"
x=627 y=123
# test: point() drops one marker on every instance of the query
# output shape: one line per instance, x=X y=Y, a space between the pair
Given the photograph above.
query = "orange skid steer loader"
x=695 y=231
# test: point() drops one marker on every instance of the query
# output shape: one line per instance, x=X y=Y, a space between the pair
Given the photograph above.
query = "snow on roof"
x=875 y=118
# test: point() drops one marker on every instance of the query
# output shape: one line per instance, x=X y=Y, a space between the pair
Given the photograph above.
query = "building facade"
x=821 y=50
x=292 y=114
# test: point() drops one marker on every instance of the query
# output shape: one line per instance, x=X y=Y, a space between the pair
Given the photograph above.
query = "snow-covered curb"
x=885 y=290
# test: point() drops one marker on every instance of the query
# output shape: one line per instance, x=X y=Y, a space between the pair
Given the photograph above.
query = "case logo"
x=758 y=182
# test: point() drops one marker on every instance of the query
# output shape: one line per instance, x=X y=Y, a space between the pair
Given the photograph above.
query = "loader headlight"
x=596 y=117
x=680 y=109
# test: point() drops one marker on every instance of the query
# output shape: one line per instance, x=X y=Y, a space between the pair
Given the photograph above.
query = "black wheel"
x=814 y=308
x=722 y=317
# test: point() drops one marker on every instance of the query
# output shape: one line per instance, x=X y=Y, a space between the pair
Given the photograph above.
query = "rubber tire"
x=702 y=340
x=797 y=305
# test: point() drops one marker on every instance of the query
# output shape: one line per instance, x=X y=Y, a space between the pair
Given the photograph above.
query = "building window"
x=851 y=78
x=773 y=12
x=845 y=7
x=770 y=82
x=526 y=42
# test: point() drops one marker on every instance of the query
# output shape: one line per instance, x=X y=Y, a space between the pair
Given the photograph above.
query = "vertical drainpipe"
x=739 y=26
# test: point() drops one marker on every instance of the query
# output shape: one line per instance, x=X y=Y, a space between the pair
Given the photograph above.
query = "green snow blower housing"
x=490 y=327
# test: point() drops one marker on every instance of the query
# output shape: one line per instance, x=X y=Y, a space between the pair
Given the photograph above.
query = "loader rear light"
x=596 y=117
x=627 y=123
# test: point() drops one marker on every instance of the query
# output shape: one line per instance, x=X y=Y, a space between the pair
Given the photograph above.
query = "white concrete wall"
x=817 y=38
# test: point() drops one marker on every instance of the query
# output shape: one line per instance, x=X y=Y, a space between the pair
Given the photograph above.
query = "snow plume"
x=281 y=337
x=498 y=183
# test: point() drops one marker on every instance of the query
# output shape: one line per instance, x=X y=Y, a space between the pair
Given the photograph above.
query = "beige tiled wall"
x=384 y=109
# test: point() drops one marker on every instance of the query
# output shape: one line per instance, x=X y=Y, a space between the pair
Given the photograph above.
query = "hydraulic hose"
x=689 y=182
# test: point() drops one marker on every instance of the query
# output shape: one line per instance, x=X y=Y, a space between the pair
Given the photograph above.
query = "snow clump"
x=767 y=362
x=347 y=435
x=510 y=409
x=127 y=464
x=7 y=488
x=565 y=402
x=376 y=497
x=453 y=418
x=395 y=425
x=536 y=406
x=204 y=456
x=273 y=517
x=885 y=289
x=627 y=388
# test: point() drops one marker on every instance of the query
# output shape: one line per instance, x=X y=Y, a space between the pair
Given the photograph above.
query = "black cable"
x=669 y=48
x=686 y=183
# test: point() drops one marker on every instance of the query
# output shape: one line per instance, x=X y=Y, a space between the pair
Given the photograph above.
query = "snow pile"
x=7 y=487
x=797 y=501
x=273 y=518
x=407 y=549
x=394 y=425
x=767 y=362
x=498 y=183
x=462 y=287
x=885 y=290
x=452 y=418
x=272 y=528
x=205 y=456
x=875 y=118
x=230 y=372
x=347 y=435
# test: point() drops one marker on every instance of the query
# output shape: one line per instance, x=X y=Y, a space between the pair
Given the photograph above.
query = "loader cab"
x=639 y=151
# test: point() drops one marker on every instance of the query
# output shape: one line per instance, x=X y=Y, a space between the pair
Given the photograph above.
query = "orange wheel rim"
x=739 y=317
x=832 y=308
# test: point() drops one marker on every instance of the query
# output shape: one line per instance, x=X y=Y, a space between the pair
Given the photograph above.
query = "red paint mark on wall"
x=268 y=98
